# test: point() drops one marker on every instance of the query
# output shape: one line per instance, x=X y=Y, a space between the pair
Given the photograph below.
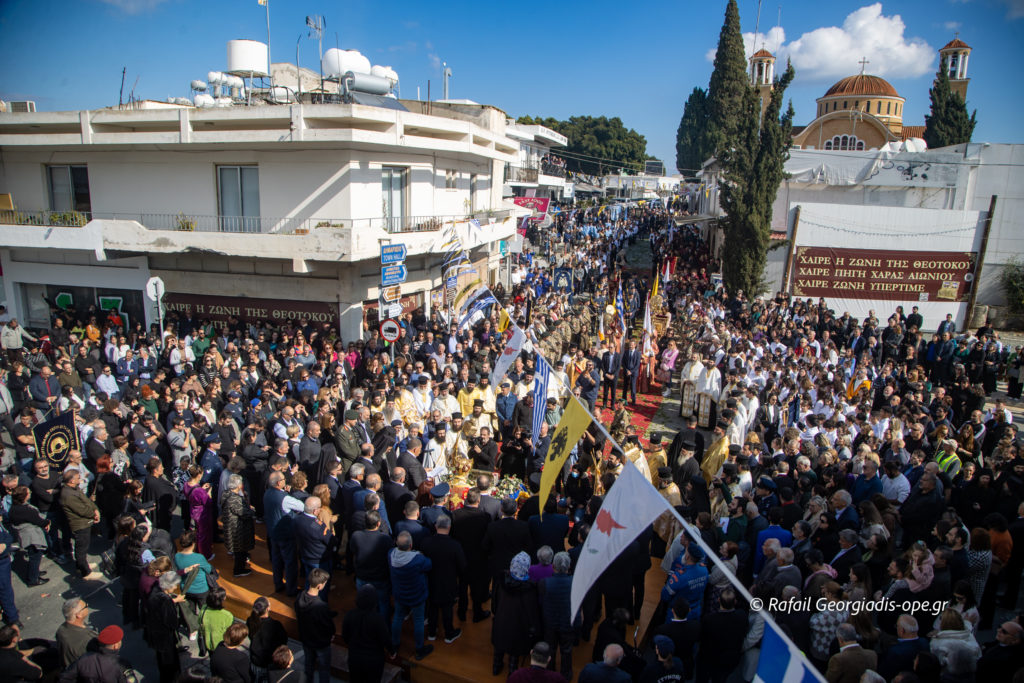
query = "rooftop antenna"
x=446 y=73
x=120 y=97
x=316 y=24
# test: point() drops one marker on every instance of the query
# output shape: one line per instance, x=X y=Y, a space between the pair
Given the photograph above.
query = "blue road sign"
x=393 y=275
x=392 y=253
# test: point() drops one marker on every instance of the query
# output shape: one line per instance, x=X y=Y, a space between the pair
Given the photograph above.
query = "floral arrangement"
x=512 y=487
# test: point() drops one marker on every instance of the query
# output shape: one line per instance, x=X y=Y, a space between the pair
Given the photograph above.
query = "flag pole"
x=695 y=537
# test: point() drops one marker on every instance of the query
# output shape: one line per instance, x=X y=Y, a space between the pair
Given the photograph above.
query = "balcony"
x=521 y=174
x=288 y=225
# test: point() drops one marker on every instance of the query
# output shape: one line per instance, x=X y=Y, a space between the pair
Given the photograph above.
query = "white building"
x=931 y=201
x=534 y=173
x=257 y=211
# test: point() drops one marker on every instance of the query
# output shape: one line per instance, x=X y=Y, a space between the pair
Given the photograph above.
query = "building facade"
x=280 y=211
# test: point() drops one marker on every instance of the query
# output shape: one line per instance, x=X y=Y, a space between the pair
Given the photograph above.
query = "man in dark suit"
x=685 y=633
x=505 y=539
x=346 y=491
x=396 y=494
x=915 y=319
x=410 y=522
x=901 y=655
x=850 y=663
x=1001 y=659
x=947 y=325
x=849 y=553
x=631 y=365
x=846 y=516
x=312 y=539
x=448 y=562
x=610 y=362
x=721 y=639
x=469 y=527
x=488 y=503
x=409 y=460
x=366 y=459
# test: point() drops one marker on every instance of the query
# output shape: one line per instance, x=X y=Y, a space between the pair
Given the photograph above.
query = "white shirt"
x=896 y=489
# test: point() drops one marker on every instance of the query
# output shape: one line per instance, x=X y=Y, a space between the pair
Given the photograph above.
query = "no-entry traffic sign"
x=389 y=329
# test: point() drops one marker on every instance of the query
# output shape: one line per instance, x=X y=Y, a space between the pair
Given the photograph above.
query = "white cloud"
x=435 y=61
x=952 y=25
x=833 y=52
x=1014 y=8
x=135 y=6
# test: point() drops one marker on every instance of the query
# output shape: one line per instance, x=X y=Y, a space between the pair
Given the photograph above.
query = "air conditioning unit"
x=23 y=107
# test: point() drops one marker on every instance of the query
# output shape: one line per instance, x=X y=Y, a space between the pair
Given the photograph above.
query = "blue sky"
x=636 y=61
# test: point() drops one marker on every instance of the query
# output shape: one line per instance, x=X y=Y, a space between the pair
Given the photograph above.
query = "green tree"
x=752 y=158
x=597 y=144
x=947 y=123
x=691 y=147
x=729 y=86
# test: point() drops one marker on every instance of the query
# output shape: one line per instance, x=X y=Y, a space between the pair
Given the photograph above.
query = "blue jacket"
x=409 y=576
x=864 y=488
x=504 y=405
x=310 y=539
x=688 y=580
x=555 y=594
x=272 y=511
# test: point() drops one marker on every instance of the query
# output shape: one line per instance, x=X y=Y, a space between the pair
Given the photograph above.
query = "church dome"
x=863 y=84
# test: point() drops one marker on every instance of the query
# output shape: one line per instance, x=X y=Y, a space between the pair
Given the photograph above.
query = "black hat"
x=688 y=444
x=734 y=449
x=478 y=402
x=655 y=438
x=722 y=424
x=422 y=381
x=665 y=472
x=456 y=415
x=471 y=378
x=728 y=414
x=742 y=459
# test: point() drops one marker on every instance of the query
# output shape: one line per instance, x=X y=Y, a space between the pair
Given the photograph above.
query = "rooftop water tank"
x=385 y=72
x=198 y=85
x=337 y=62
x=248 y=58
x=203 y=100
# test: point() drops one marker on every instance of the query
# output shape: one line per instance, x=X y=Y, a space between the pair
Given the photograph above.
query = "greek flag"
x=540 y=394
x=781 y=662
x=621 y=305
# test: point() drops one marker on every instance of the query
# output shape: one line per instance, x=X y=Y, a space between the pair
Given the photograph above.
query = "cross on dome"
x=863 y=63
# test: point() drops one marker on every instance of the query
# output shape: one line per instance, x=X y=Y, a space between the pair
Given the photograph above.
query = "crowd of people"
x=825 y=462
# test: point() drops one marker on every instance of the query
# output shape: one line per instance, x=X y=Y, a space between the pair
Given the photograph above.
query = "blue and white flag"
x=781 y=661
x=541 y=377
x=478 y=305
x=621 y=305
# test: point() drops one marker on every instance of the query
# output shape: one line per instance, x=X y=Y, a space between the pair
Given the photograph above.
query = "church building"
x=859 y=112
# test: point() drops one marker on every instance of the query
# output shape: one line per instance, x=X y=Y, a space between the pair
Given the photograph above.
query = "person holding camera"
x=483 y=451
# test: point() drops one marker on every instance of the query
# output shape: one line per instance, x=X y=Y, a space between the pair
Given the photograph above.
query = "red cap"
x=111 y=635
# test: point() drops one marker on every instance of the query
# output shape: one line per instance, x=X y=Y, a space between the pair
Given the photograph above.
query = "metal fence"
x=244 y=224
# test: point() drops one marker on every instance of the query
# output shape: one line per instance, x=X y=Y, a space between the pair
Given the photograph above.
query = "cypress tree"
x=947 y=123
x=691 y=150
x=728 y=86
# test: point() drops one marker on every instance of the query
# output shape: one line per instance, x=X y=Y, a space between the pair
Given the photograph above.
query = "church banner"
x=920 y=276
x=55 y=438
x=574 y=422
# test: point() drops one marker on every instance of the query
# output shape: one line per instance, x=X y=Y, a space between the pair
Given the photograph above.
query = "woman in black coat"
x=266 y=634
x=161 y=625
x=228 y=660
x=367 y=636
x=239 y=530
x=516 y=625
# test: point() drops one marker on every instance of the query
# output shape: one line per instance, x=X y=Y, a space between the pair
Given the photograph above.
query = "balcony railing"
x=244 y=224
x=521 y=174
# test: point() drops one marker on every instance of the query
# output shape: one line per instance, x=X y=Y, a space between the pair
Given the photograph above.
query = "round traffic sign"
x=389 y=329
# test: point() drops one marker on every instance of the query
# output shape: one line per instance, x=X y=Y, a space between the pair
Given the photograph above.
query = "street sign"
x=393 y=274
x=503 y=246
x=392 y=293
x=395 y=311
x=392 y=253
x=389 y=329
x=155 y=289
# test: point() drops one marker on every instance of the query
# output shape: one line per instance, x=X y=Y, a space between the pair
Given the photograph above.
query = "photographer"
x=483 y=451
x=515 y=453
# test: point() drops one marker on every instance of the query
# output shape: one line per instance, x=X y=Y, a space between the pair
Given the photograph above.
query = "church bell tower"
x=955 y=54
x=762 y=75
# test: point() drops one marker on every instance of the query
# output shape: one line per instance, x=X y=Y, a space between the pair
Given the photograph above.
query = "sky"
x=638 y=62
